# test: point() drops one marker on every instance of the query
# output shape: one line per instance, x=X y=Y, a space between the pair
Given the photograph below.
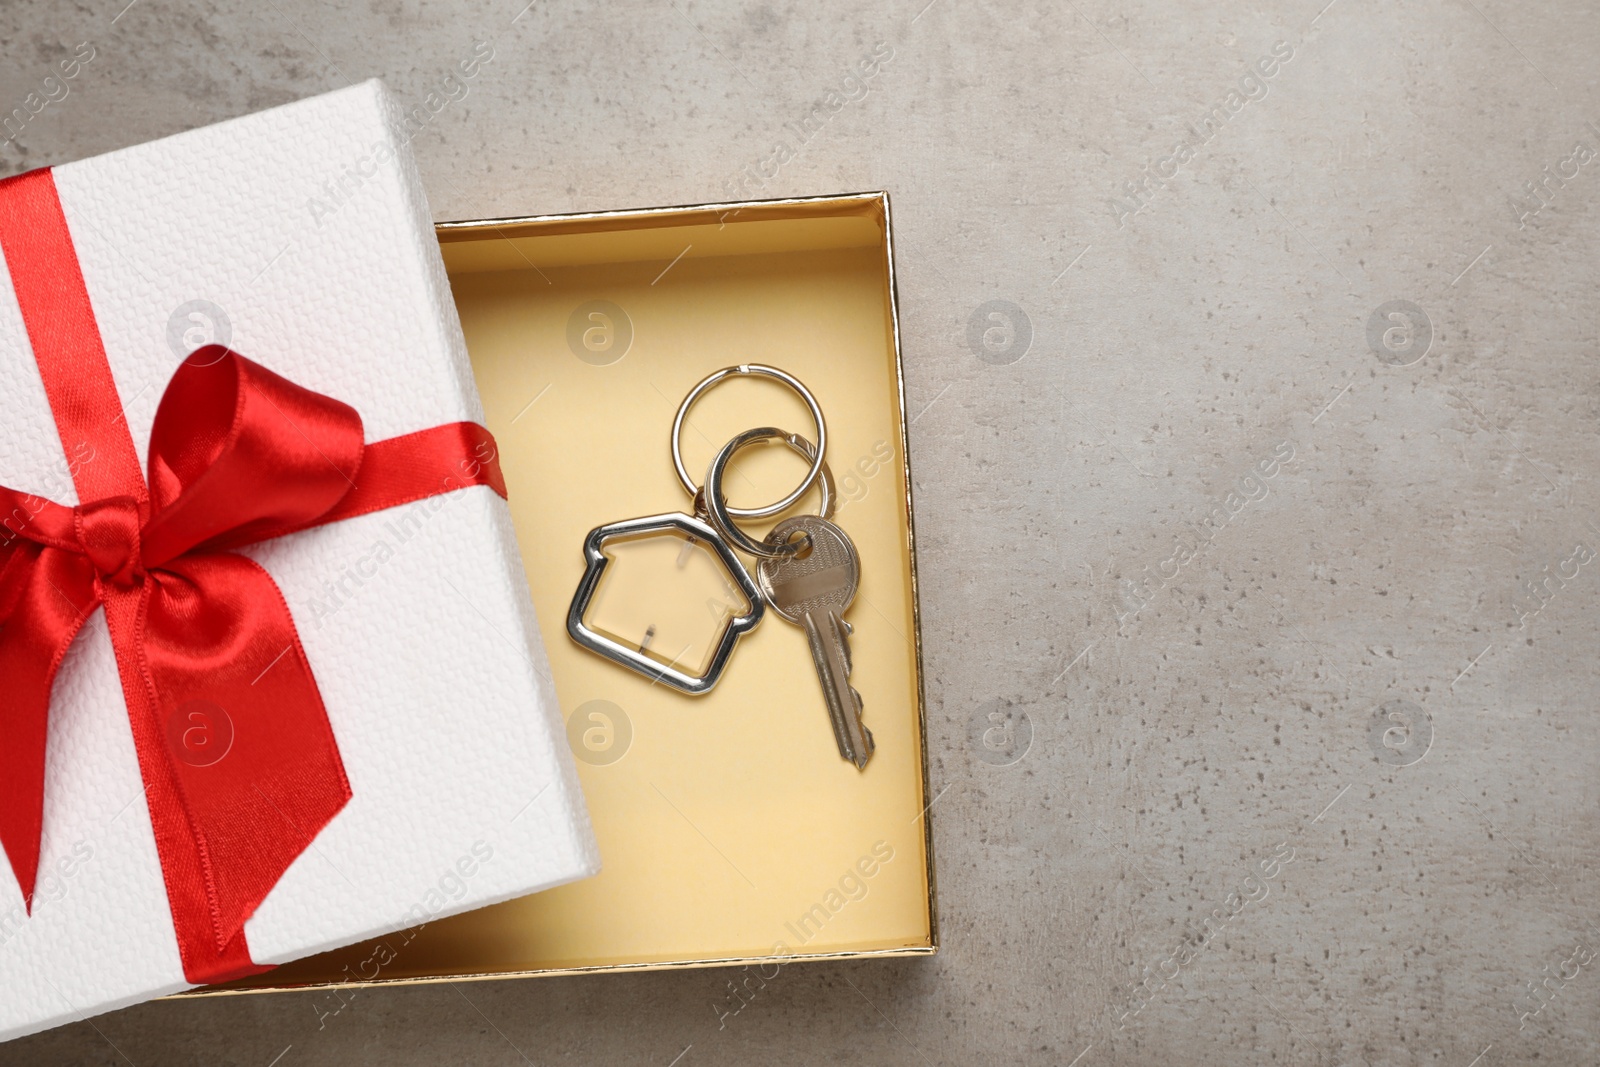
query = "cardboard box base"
x=730 y=829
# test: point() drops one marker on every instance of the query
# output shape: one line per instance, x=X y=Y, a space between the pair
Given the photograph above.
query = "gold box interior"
x=729 y=827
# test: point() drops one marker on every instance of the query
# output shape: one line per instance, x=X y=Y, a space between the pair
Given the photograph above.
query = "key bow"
x=237 y=454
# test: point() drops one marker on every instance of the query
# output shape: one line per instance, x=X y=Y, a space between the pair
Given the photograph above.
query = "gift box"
x=732 y=831
x=274 y=680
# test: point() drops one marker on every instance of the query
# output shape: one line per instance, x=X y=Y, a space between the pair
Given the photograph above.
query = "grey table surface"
x=1252 y=355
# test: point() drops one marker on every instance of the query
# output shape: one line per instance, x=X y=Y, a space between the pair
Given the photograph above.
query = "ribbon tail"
x=245 y=740
x=45 y=597
x=419 y=465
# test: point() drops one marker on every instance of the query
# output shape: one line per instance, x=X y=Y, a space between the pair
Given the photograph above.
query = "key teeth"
x=844 y=631
x=866 y=754
x=869 y=745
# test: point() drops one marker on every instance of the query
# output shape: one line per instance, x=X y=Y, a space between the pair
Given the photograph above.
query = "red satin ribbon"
x=237 y=455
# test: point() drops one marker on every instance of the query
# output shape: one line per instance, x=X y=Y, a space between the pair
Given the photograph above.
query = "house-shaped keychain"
x=664 y=596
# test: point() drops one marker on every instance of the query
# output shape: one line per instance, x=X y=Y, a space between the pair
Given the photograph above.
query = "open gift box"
x=729 y=828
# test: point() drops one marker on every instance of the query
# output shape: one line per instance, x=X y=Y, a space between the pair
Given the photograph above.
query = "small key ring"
x=754 y=369
x=715 y=501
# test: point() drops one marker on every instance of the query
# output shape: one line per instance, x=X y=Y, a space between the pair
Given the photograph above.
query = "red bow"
x=240 y=765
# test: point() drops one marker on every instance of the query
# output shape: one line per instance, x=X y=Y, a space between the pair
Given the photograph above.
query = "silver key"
x=814 y=592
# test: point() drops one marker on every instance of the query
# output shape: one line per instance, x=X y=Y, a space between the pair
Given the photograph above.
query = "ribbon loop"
x=33 y=518
x=239 y=454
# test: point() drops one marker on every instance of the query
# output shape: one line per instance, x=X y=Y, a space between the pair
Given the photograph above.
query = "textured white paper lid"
x=306 y=225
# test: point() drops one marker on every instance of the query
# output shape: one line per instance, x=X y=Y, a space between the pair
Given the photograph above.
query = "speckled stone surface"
x=1253 y=358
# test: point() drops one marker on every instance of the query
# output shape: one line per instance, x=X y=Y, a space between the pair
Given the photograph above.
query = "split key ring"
x=715 y=500
x=817 y=456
